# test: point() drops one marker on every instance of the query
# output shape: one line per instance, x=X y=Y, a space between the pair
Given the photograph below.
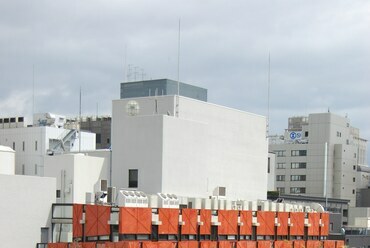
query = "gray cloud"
x=320 y=56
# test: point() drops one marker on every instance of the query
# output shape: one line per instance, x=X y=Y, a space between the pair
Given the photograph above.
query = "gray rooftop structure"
x=161 y=87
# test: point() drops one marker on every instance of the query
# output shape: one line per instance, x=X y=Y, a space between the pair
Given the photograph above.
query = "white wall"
x=7 y=160
x=25 y=207
x=207 y=146
x=76 y=174
x=32 y=156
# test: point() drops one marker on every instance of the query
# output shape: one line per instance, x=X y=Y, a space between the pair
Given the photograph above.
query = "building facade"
x=318 y=156
x=101 y=126
x=161 y=87
x=204 y=148
x=33 y=142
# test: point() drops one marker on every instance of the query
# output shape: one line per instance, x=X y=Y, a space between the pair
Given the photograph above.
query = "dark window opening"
x=58 y=193
x=268 y=165
x=20 y=119
x=98 y=138
x=12 y=120
x=306 y=134
x=133 y=178
x=108 y=140
x=6 y=120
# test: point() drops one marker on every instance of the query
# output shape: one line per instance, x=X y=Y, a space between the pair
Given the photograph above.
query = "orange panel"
x=103 y=218
x=297 y=220
x=166 y=244
x=266 y=219
x=75 y=245
x=127 y=244
x=135 y=220
x=77 y=216
x=88 y=245
x=91 y=220
x=324 y=230
x=314 y=219
x=149 y=244
x=109 y=245
x=283 y=221
x=57 y=245
x=205 y=217
x=246 y=219
x=246 y=244
x=339 y=244
x=189 y=216
x=225 y=244
x=127 y=220
x=283 y=244
x=264 y=244
x=103 y=245
x=313 y=244
x=144 y=220
x=229 y=222
x=329 y=243
x=299 y=244
x=187 y=244
x=170 y=220
x=208 y=244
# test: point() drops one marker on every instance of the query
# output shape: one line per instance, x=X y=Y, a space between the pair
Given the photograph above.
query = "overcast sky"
x=320 y=54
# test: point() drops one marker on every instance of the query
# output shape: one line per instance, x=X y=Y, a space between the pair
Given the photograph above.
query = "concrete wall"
x=207 y=146
x=25 y=208
x=7 y=160
x=76 y=174
x=36 y=143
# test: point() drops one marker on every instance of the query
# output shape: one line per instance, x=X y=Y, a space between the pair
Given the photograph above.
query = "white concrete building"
x=188 y=151
x=33 y=143
x=76 y=174
x=301 y=157
x=7 y=160
x=25 y=210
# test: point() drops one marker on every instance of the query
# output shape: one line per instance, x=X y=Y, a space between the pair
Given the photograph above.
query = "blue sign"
x=295 y=135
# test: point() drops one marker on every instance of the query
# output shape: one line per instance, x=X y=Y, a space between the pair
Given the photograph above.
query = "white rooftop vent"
x=168 y=201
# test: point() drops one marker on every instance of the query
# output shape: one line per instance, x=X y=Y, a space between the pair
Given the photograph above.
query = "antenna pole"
x=268 y=102
x=178 y=72
x=125 y=65
x=33 y=90
x=79 y=125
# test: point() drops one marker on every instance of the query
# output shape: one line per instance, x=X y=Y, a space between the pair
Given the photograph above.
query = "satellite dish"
x=132 y=108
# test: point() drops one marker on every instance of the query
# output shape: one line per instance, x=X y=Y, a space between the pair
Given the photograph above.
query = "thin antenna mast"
x=268 y=102
x=125 y=65
x=33 y=90
x=79 y=125
x=178 y=72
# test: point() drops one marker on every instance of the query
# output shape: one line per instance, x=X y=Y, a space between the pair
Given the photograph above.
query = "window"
x=23 y=169
x=12 y=120
x=58 y=193
x=280 y=166
x=306 y=134
x=35 y=169
x=354 y=167
x=354 y=155
x=280 y=153
x=268 y=165
x=14 y=146
x=36 y=145
x=354 y=179
x=297 y=190
x=353 y=191
x=280 y=178
x=98 y=138
x=133 y=178
x=6 y=120
x=281 y=190
x=295 y=153
x=1 y=121
x=339 y=134
x=108 y=140
x=23 y=146
x=299 y=165
x=298 y=178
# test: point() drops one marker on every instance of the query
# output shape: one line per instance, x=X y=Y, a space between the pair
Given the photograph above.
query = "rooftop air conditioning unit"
x=127 y=198
x=141 y=199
